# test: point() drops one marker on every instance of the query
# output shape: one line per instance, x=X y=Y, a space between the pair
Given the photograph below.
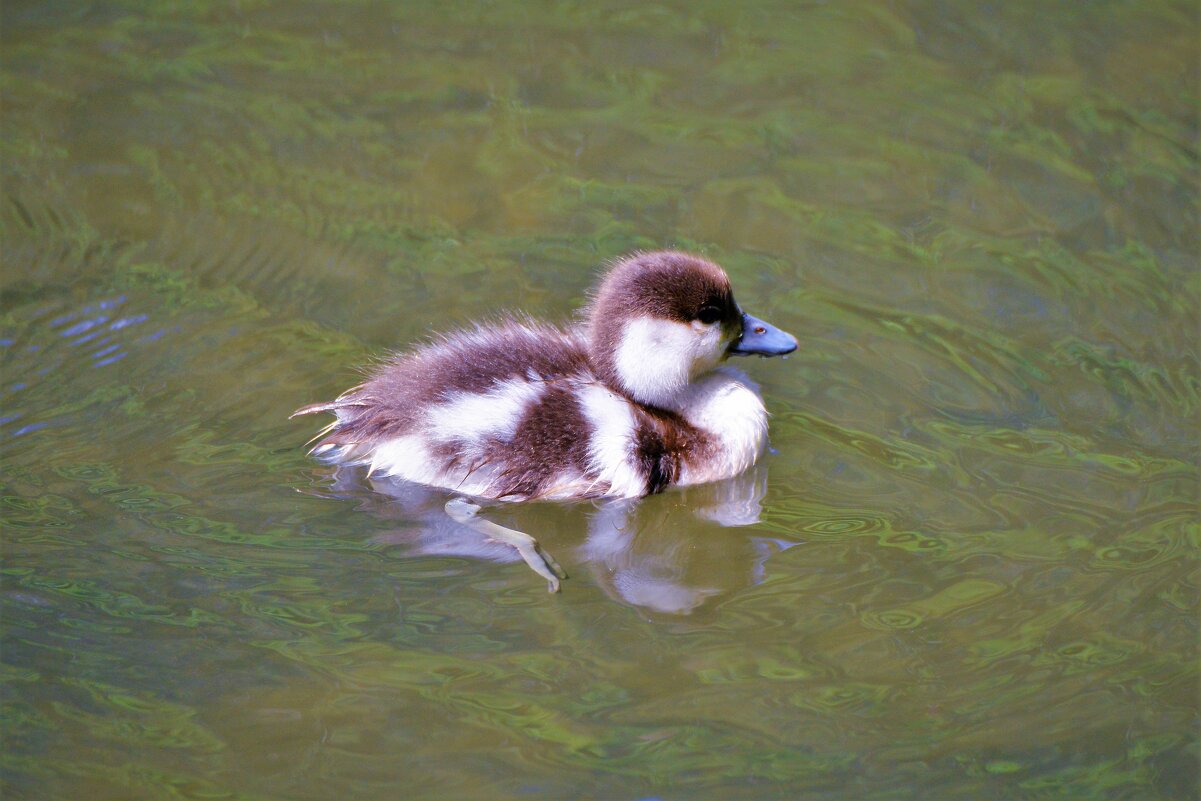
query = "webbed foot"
x=464 y=511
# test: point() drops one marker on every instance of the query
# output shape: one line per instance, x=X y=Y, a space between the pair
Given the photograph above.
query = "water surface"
x=968 y=569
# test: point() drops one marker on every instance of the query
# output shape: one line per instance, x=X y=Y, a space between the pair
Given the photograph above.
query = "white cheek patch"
x=656 y=358
x=709 y=346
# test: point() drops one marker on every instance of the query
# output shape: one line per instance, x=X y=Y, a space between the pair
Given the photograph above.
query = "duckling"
x=630 y=401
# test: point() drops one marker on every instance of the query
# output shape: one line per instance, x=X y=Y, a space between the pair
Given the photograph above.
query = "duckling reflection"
x=667 y=554
x=655 y=556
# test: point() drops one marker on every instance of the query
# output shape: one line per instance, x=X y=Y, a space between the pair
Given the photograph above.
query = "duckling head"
x=660 y=320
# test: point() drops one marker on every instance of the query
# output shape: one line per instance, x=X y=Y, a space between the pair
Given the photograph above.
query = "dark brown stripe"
x=663 y=443
x=550 y=439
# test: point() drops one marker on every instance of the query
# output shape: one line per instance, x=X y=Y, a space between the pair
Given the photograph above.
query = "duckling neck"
x=726 y=406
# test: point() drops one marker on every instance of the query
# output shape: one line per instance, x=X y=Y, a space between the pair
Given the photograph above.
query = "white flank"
x=611 y=446
x=467 y=420
x=409 y=458
x=406 y=457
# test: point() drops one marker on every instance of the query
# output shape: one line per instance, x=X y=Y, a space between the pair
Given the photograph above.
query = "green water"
x=968 y=570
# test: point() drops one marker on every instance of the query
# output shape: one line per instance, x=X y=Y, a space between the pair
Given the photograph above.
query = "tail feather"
x=346 y=400
x=314 y=408
x=329 y=435
x=341 y=439
x=329 y=428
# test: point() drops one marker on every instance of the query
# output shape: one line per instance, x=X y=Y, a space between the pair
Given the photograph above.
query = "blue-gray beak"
x=762 y=339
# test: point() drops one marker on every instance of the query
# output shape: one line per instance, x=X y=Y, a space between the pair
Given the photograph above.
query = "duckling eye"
x=709 y=315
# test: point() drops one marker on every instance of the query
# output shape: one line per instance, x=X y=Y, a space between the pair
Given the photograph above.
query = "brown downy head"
x=660 y=320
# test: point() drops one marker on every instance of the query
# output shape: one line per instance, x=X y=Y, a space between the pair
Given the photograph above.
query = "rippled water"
x=967 y=570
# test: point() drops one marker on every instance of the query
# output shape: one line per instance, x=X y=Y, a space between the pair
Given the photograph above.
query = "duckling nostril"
x=762 y=338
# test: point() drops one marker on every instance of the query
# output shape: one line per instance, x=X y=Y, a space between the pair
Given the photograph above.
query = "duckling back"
x=491 y=412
